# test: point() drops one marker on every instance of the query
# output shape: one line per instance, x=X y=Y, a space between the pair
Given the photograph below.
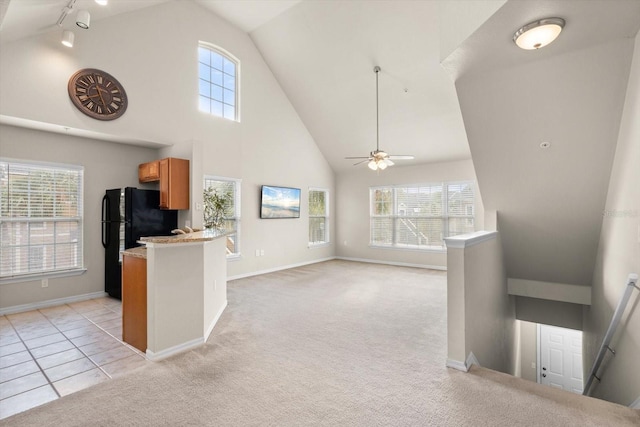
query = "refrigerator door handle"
x=105 y=221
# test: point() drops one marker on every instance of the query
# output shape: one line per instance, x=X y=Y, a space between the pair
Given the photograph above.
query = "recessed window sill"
x=40 y=276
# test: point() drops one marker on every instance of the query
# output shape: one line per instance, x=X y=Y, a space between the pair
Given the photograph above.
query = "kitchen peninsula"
x=182 y=283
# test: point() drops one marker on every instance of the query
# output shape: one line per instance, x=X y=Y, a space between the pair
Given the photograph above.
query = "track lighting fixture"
x=82 y=19
x=67 y=38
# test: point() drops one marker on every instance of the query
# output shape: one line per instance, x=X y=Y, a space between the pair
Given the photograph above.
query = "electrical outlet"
x=257 y=252
x=533 y=365
x=198 y=206
x=215 y=284
x=261 y=252
x=45 y=283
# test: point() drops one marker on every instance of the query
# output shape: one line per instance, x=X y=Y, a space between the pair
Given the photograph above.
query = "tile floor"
x=55 y=351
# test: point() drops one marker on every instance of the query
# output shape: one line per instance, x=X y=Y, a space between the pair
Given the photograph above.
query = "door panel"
x=561 y=358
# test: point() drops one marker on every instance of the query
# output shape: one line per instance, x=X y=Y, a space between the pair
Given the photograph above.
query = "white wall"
x=153 y=53
x=106 y=165
x=481 y=315
x=619 y=255
x=352 y=199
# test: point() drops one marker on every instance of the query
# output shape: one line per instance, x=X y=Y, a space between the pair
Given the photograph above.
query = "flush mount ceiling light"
x=67 y=38
x=83 y=19
x=378 y=159
x=539 y=33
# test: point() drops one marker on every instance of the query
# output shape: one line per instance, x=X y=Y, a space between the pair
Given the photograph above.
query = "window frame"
x=231 y=58
x=79 y=267
x=394 y=216
x=237 y=192
x=327 y=232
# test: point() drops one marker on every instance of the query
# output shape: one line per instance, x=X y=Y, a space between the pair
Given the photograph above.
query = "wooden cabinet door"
x=134 y=302
x=165 y=186
x=178 y=184
x=149 y=172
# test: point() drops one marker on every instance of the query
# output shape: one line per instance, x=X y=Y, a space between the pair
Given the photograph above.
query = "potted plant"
x=217 y=205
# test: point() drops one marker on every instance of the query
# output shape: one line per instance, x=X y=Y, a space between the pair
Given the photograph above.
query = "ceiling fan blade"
x=388 y=162
x=360 y=157
x=360 y=162
x=401 y=157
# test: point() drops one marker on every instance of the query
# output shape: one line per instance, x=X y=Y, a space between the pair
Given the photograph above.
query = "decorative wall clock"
x=97 y=94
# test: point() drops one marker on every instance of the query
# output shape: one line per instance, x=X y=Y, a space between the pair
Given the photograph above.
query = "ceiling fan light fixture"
x=538 y=33
x=382 y=165
x=373 y=165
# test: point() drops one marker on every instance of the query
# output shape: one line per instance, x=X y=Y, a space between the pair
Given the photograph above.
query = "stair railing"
x=632 y=283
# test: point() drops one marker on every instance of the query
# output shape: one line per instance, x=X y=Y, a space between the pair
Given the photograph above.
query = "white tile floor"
x=55 y=351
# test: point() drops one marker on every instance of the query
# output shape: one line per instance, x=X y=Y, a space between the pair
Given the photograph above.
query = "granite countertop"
x=139 y=252
x=198 y=236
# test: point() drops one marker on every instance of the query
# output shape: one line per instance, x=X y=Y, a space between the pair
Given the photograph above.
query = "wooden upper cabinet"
x=174 y=183
x=149 y=172
x=173 y=175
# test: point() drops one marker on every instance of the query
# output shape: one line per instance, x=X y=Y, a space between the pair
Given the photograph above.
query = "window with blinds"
x=218 y=82
x=230 y=187
x=420 y=216
x=318 y=216
x=40 y=218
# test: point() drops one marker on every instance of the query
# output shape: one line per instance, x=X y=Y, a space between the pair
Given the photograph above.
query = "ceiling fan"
x=378 y=159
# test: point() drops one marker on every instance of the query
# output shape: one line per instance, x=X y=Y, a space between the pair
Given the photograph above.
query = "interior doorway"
x=560 y=358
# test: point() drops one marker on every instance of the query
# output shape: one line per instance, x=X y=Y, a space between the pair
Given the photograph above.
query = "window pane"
x=204 y=104
x=204 y=56
x=204 y=72
x=216 y=93
x=229 y=97
x=216 y=108
x=229 y=112
x=459 y=226
x=231 y=214
x=204 y=88
x=382 y=201
x=317 y=205
x=35 y=198
x=216 y=77
x=381 y=231
x=419 y=231
x=229 y=67
x=460 y=199
x=216 y=61
x=229 y=82
x=317 y=230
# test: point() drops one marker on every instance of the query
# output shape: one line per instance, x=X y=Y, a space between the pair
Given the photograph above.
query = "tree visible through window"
x=218 y=82
x=318 y=216
x=40 y=218
x=231 y=187
x=420 y=216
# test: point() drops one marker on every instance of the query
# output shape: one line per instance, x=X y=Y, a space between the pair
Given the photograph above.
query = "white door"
x=560 y=358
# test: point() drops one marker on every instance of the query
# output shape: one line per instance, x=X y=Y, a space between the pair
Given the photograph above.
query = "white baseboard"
x=163 y=354
x=472 y=360
x=50 y=303
x=215 y=320
x=400 y=264
x=463 y=366
x=458 y=365
x=273 y=270
x=635 y=404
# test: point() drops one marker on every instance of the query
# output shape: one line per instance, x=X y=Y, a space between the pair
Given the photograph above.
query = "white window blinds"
x=318 y=216
x=41 y=218
x=230 y=187
x=420 y=216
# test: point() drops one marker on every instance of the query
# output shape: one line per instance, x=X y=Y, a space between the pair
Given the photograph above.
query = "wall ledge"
x=564 y=292
x=465 y=240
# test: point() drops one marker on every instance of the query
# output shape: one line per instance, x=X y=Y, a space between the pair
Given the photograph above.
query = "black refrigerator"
x=128 y=214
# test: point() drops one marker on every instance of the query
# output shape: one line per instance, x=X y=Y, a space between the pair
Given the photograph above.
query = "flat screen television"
x=279 y=202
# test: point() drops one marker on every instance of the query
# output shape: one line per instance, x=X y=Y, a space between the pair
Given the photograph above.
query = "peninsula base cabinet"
x=134 y=301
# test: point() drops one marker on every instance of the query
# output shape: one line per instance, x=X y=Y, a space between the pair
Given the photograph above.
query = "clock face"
x=97 y=94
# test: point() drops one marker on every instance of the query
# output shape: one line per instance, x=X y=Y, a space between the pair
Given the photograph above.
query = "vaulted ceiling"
x=452 y=85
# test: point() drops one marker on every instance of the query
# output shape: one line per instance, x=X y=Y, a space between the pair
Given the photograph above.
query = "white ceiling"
x=323 y=54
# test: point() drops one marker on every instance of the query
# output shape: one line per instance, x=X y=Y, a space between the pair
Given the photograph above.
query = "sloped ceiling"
x=550 y=201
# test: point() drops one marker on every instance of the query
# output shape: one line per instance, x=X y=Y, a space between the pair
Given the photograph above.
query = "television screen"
x=279 y=202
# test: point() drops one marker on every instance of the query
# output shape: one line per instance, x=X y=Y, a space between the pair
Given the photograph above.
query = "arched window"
x=218 y=73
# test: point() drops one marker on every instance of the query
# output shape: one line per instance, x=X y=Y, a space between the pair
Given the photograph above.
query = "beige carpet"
x=335 y=344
